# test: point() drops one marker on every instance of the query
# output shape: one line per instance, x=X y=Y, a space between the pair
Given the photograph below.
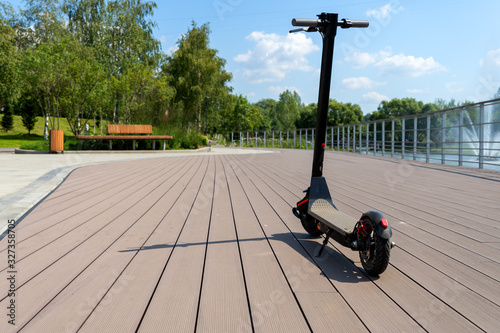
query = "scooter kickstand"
x=328 y=234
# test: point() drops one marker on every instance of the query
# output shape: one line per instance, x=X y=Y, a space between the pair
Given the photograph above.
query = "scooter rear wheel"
x=310 y=225
x=376 y=259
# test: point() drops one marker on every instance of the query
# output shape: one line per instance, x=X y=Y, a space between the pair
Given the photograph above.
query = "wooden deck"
x=209 y=244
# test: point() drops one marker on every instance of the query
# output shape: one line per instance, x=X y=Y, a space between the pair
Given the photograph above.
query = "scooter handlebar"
x=344 y=23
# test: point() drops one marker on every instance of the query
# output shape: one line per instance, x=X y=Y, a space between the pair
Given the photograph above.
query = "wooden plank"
x=174 y=305
x=273 y=305
x=223 y=300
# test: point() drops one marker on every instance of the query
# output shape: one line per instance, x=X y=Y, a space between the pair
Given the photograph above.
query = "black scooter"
x=371 y=234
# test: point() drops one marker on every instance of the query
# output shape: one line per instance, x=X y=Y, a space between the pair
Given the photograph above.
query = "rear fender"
x=376 y=218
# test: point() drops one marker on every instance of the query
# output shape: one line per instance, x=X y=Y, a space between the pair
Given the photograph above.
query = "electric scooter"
x=371 y=234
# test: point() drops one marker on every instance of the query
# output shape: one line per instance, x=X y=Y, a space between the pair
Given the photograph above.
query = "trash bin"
x=56 y=141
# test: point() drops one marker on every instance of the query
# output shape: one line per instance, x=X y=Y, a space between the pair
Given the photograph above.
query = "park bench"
x=128 y=132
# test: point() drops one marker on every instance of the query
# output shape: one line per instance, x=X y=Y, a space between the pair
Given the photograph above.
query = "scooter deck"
x=323 y=211
x=322 y=208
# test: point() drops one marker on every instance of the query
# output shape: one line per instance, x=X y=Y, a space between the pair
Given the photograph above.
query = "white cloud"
x=274 y=56
x=492 y=59
x=375 y=97
x=361 y=83
x=403 y=65
x=399 y=64
x=383 y=12
x=362 y=59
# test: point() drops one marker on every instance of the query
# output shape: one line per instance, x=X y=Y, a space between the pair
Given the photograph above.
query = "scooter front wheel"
x=311 y=226
x=376 y=259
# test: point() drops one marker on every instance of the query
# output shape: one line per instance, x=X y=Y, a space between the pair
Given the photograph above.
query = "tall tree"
x=343 y=113
x=10 y=83
x=308 y=116
x=288 y=109
x=196 y=72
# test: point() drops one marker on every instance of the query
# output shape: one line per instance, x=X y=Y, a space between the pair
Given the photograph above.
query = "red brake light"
x=384 y=223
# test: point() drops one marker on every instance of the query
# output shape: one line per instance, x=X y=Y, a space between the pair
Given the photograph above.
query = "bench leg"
x=110 y=145
x=164 y=144
x=154 y=144
x=133 y=144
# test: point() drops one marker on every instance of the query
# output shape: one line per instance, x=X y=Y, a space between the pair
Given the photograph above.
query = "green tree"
x=84 y=77
x=10 y=83
x=288 y=110
x=8 y=118
x=28 y=111
x=308 y=116
x=196 y=72
x=343 y=113
x=267 y=108
x=243 y=116
x=46 y=69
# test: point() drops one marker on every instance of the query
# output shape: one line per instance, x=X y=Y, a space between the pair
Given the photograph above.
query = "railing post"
x=461 y=138
x=294 y=140
x=375 y=138
x=481 y=136
x=383 y=138
x=306 y=139
x=300 y=139
x=331 y=135
x=348 y=138
x=265 y=146
x=241 y=139
x=354 y=139
x=393 y=138
x=343 y=138
x=367 y=138
x=443 y=137
x=428 y=135
x=256 y=139
x=247 y=140
x=403 y=137
x=338 y=138
x=360 y=138
x=312 y=138
x=232 y=138
x=415 y=123
x=273 y=139
x=281 y=136
x=287 y=137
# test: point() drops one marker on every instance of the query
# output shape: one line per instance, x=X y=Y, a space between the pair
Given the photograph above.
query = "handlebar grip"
x=346 y=24
x=360 y=24
x=305 y=22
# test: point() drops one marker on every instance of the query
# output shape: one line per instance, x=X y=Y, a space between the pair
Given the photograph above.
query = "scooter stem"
x=328 y=30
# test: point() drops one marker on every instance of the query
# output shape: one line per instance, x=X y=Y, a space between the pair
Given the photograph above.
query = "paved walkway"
x=208 y=243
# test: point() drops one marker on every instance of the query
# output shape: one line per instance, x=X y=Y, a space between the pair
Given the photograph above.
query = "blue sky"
x=414 y=48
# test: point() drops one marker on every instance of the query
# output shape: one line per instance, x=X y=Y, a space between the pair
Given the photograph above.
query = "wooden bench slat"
x=124 y=137
x=130 y=129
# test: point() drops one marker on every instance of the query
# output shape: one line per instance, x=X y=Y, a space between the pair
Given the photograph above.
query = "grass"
x=18 y=137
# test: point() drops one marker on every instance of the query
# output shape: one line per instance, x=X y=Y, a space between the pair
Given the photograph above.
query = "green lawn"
x=18 y=137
